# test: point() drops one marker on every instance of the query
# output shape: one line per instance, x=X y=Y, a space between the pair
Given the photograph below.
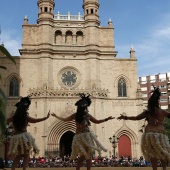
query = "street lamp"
x=8 y=135
x=114 y=141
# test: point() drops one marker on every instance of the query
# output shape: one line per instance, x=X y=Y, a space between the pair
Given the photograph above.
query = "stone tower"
x=64 y=55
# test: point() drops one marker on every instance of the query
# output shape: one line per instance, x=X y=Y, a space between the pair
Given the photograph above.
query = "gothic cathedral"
x=62 y=56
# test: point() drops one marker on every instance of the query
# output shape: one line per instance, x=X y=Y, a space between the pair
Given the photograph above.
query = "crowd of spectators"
x=96 y=162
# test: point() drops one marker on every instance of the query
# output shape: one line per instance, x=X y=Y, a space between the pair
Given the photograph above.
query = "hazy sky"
x=143 y=24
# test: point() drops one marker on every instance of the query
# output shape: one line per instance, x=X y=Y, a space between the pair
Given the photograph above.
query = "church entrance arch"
x=65 y=144
x=60 y=138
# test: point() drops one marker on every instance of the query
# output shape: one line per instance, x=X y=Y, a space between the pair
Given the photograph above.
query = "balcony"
x=69 y=17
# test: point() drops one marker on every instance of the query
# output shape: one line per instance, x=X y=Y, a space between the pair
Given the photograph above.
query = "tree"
x=3 y=99
x=167 y=127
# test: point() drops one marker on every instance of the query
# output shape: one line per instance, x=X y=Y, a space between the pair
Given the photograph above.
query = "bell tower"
x=45 y=10
x=45 y=21
x=91 y=8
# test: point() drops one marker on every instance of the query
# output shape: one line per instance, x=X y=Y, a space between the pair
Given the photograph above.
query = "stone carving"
x=69 y=109
x=50 y=92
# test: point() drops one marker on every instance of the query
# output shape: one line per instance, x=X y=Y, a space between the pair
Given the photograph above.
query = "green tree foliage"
x=3 y=99
x=167 y=127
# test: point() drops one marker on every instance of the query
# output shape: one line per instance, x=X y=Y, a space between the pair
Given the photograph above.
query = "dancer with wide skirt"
x=154 y=143
x=84 y=141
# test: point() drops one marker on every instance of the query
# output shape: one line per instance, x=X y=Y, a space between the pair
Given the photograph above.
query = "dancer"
x=22 y=142
x=84 y=140
x=154 y=143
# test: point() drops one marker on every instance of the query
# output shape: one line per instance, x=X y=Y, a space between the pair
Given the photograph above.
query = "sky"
x=141 y=24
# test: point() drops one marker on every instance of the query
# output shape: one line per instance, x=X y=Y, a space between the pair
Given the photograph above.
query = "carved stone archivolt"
x=51 y=93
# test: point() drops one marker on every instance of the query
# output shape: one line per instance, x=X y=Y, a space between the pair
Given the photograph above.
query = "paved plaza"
x=96 y=168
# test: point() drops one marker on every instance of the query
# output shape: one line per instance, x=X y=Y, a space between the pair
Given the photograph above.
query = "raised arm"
x=36 y=120
x=96 y=121
x=138 y=117
x=69 y=118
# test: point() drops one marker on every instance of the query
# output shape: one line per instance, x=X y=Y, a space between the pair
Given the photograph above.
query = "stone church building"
x=62 y=56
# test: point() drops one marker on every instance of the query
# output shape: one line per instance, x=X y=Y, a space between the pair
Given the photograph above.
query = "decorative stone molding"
x=64 y=93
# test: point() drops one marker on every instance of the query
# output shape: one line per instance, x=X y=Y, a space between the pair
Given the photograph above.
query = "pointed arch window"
x=14 y=87
x=122 y=92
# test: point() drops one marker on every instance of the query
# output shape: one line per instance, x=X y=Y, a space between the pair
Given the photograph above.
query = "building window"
x=162 y=86
x=45 y=9
x=122 y=88
x=152 y=81
x=143 y=80
x=163 y=93
x=163 y=79
x=152 y=87
x=69 y=37
x=69 y=77
x=14 y=87
x=143 y=88
x=163 y=100
x=58 y=37
x=144 y=95
x=87 y=11
x=79 y=37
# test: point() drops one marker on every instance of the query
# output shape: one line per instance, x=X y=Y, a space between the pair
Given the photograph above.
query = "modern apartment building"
x=161 y=80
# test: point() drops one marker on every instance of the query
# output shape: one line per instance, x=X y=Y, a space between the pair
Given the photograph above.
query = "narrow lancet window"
x=14 y=87
x=122 y=92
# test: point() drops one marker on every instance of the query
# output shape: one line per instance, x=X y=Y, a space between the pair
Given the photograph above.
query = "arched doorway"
x=57 y=137
x=124 y=146
x=65 y=143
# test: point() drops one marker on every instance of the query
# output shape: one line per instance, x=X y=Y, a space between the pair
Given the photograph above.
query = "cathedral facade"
x=62 y=56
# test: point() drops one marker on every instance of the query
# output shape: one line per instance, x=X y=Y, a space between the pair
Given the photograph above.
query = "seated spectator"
x=2 y=166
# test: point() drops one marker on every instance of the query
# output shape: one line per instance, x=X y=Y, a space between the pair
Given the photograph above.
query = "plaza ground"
x=96 y=168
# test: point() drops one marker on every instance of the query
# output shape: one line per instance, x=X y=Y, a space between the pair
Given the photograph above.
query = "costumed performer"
x=154 y=143
x=22 y=142
x=84 y=141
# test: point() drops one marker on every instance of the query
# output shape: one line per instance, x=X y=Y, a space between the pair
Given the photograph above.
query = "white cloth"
x=84 y=143
x=26 y=143
x=155 y=145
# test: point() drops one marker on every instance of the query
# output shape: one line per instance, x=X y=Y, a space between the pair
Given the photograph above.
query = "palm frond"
x=3 y=99
x=0 y=77
x=3 y=103
x=2 y=96
x=2 y=121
